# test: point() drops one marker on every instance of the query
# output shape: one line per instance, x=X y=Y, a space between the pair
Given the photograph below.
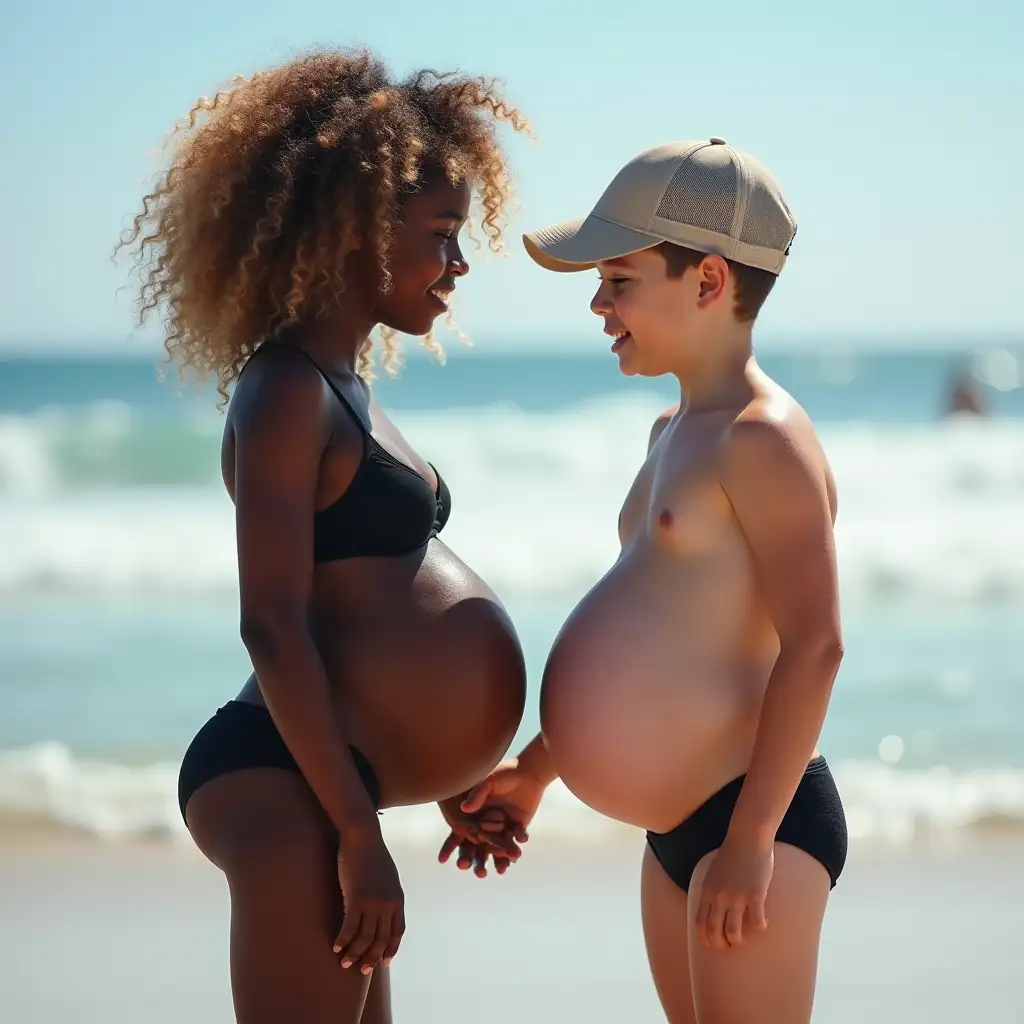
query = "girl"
x=303 y=208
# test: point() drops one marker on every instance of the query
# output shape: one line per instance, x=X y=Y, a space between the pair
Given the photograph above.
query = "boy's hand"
x=503 y=804
x=479 y=836
x=733 y=895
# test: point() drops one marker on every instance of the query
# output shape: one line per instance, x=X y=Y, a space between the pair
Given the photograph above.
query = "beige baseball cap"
x=705 y=195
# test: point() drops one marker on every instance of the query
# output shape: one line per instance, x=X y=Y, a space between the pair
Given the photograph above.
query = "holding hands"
x=491 y=819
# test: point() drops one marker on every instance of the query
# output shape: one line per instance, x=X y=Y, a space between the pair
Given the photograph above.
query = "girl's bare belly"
x=652 y=692
x=426 y=670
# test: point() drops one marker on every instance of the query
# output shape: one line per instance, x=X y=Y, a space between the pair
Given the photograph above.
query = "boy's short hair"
x=752 y=285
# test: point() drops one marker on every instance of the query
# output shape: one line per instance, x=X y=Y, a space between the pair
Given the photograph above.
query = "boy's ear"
x=712 y=280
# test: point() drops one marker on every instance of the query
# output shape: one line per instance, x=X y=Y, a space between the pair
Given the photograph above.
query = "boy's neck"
x=721 y=380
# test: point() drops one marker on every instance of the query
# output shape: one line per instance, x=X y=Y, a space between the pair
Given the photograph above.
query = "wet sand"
x=120 y=933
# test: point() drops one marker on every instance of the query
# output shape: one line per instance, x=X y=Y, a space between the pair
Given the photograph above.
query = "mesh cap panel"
x=767 y=221
x=702 y=193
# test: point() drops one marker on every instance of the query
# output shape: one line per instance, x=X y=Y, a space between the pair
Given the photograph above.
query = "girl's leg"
x=265 y=830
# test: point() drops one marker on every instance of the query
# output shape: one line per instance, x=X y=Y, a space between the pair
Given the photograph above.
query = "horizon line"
x=505 y=345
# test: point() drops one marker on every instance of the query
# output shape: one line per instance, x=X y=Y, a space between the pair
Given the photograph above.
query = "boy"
x=687 y=690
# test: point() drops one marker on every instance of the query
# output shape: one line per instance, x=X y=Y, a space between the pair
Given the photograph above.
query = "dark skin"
x=410 y=659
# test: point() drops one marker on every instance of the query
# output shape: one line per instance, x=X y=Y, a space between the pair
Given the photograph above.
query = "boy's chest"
x=676 y=499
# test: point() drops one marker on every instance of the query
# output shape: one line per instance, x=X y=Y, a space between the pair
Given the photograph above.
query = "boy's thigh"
x=777 y=967
x=666 y=921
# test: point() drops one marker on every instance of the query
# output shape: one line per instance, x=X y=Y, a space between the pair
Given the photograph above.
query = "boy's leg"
x=776 y=968
x=666 y=921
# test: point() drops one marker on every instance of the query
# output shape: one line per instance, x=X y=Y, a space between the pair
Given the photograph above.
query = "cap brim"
x=580 y=244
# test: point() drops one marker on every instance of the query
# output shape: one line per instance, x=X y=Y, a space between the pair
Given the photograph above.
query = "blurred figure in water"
x=964 y=395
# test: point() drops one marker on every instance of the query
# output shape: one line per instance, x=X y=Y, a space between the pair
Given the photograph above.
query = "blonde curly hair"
x=278 y=178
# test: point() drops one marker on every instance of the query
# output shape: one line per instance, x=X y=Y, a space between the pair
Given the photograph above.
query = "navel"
x=665 y=519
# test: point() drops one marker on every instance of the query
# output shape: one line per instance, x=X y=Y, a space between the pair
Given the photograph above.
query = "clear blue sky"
x=895 y=128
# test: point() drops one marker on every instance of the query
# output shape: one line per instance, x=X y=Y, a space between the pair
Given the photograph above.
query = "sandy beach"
x=120 y=933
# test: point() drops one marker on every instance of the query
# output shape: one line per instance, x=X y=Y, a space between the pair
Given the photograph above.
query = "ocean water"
x=118 y=607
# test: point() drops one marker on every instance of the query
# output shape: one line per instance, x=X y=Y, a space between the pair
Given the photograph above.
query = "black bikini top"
x=388 y=508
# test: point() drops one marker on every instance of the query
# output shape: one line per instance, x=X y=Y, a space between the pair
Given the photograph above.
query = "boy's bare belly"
x=653 y=690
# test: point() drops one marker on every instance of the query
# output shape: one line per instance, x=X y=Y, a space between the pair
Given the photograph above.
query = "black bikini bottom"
x=243 y=736
x=814 y=823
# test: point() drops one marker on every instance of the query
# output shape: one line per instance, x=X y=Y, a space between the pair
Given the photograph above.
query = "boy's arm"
x=536 y=760
x=783 y=509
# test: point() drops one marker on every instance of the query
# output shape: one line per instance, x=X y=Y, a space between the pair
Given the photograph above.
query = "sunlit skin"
x=708 y=650
x=415 y=649
x=458 y=667
x=303 y=208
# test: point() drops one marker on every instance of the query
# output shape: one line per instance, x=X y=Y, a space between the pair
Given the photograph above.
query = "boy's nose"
x=599 y=304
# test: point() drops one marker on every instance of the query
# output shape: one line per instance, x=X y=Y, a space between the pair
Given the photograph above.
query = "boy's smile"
x=620 y=337
x=644 y=311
